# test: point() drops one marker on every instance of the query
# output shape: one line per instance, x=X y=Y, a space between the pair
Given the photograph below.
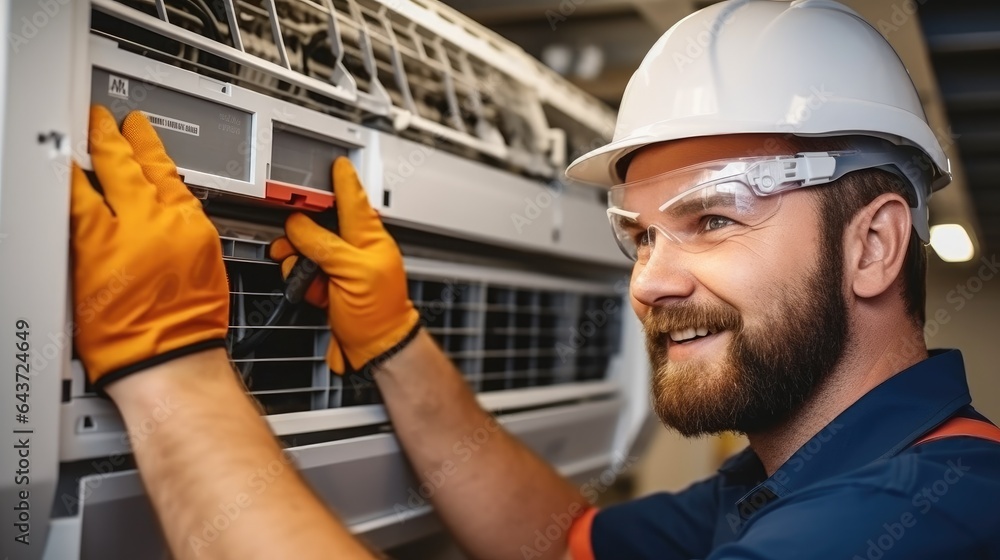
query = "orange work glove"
x=149 y=284
x=363 y=284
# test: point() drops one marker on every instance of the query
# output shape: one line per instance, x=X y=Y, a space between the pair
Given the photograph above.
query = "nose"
x=663 y=278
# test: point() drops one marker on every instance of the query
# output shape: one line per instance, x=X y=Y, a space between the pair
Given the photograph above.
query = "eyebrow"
x=697 y=204
x=633 y=226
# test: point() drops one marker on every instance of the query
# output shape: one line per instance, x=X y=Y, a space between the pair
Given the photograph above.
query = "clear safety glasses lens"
x=696 y=219
x=700 y=206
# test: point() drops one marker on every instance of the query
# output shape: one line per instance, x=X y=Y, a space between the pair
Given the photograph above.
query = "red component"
x=966 y=427
x=299 y=197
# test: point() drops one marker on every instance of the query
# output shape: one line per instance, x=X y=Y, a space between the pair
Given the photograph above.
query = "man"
x=779 y=277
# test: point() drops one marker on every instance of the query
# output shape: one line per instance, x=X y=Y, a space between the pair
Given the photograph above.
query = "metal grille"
x=499 y=336
x=286 y=372
x=363 y=59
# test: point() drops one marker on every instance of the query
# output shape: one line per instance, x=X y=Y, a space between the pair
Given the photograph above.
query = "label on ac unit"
x=198 y=133
x=168 y=123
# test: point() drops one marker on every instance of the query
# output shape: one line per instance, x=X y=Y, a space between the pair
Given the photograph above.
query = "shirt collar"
x=880 y=424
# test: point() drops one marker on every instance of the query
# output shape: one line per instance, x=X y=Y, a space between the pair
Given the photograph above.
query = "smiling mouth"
x=684 y=336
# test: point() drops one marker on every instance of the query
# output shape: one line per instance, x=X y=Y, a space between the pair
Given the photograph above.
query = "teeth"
x=687 y=334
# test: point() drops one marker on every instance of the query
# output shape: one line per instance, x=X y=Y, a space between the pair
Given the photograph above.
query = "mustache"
x=687 y=315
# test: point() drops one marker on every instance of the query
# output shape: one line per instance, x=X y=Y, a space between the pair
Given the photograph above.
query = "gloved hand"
x=149 y=284
x=363 y=284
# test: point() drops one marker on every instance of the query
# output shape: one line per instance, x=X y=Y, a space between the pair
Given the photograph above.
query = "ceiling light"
x=590 y=62
x=952 y=243
x=558 y=57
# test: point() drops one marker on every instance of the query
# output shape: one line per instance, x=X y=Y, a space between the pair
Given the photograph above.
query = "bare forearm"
x=218 y=480
x=491 y=490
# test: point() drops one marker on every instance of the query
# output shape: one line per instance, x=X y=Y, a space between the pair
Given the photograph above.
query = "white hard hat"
x=806 y=68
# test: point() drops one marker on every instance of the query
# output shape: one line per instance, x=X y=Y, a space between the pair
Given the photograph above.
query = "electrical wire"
x=301 y=276
x=298 y=281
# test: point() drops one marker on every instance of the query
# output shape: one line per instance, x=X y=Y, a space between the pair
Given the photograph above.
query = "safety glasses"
x=700 y=206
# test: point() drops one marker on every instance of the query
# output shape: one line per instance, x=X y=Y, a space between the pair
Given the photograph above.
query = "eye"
x=714 y=223
x=642 y=238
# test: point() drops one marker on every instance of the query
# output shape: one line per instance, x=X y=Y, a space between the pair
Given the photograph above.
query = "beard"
x=768 y=372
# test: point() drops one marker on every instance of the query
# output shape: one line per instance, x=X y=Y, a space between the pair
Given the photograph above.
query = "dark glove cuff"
x=377 y=361
x=119 y=373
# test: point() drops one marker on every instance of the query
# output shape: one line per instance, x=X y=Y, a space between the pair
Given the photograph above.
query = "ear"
x=876 y=243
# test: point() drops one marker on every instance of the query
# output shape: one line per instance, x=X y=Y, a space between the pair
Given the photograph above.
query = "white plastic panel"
x=34 y=233
x=434 y=190
x=584 y=231
x=367 y=480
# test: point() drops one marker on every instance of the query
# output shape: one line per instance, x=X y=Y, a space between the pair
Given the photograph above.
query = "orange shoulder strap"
x=580 y=547
x=962 y=427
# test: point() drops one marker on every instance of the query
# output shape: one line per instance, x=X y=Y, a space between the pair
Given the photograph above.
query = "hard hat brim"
x=600 y=167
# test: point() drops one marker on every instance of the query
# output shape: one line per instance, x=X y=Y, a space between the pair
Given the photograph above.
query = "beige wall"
x=672 y=462
x=970 y=322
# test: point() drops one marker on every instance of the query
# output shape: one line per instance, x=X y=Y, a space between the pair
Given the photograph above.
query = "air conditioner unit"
x=460 y=139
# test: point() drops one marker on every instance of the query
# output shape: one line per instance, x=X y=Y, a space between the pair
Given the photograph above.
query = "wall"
x=963 y=311
x=673 y=462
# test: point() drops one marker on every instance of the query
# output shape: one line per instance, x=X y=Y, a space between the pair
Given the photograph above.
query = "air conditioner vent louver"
x=499 y=336
x=286 y=373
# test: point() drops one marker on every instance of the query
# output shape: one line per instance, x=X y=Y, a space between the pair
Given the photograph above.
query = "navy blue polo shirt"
x=857 y=490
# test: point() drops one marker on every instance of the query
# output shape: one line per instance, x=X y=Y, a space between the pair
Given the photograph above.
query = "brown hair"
x=840 y=202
